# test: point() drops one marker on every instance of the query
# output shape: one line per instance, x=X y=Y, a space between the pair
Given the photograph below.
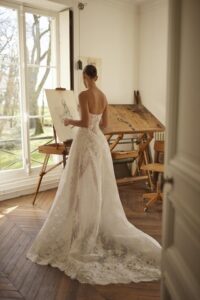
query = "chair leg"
x=148 y=172
x=153 y=196
x=150 y=202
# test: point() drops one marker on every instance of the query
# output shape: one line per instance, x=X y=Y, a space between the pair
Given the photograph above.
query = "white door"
x=181 y=220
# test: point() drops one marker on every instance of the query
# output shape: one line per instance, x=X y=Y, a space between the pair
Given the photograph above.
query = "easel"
x=48 y=149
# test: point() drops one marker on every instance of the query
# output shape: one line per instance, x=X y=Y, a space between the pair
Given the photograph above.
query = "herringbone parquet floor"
x=22 y=279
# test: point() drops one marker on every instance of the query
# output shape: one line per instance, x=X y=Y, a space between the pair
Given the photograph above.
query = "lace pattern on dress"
x=86 y=233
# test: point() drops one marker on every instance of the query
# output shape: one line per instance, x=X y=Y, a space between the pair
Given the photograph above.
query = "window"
x=41 y=74
x=10 y=107
x=29 y=56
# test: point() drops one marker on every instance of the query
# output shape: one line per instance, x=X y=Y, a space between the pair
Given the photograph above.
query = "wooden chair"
x=139 y=155
x=156 y=167
x=124 y=157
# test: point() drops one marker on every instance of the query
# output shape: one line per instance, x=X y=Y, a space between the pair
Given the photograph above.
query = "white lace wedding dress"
x=86 y=233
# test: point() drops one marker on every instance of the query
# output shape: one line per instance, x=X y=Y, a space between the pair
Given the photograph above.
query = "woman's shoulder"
x=101 y=94
x=88 y=93
x=83 y=93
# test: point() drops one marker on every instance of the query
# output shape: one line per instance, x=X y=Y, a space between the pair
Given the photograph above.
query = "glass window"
x=29 y=51
x=10 y=113
x=41 y=74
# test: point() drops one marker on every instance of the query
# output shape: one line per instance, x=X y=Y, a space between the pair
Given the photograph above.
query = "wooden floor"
x=22 y=279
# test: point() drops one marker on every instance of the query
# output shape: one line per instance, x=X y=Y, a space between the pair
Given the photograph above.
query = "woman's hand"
x=66 y=121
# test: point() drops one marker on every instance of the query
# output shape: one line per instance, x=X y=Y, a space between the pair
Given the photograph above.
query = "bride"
x=86 y=233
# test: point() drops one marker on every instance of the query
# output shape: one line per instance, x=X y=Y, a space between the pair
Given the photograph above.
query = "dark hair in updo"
x=91 y=71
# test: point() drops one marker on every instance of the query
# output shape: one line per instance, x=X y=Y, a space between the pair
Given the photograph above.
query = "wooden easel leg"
x=42 y=173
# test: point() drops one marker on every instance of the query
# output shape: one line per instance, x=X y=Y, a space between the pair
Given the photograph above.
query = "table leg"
x=143 y=145
x=116 y=141
x=148 y=172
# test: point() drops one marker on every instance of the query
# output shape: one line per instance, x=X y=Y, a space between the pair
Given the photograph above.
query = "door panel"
x=181 y=221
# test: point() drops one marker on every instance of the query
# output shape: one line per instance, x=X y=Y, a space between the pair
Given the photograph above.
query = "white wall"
x=132 y=44
x=153 y=22
x=109 y=30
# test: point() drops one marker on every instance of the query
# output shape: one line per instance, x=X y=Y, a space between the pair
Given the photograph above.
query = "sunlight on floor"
x=7 y=211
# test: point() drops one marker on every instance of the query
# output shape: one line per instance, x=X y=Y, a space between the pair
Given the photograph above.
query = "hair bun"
x=90 y=70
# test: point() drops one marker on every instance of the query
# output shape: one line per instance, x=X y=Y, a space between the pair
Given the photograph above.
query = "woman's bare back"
x=96 y=101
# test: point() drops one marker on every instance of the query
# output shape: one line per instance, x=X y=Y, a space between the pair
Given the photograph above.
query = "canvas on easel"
x=62 y=104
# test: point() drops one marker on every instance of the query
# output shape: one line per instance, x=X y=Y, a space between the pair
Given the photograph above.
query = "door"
x=181 y=220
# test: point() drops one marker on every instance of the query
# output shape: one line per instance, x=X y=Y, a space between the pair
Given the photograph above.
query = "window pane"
x=9 y=90
x=9 y=63
x=10 y=144
x=41 y=132
x=10 y=121
x=39 y=39
x=41 y=74
x=8 y=35
x=39 y=79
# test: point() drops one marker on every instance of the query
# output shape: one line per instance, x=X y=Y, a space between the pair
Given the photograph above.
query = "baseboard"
x=27 y=186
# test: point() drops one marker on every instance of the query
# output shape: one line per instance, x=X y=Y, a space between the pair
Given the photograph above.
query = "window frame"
x=21 y=10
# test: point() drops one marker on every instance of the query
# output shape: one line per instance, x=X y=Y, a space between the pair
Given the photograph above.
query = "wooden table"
x=132 y=119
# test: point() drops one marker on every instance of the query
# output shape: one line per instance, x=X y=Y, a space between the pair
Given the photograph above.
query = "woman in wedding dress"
x=86 y=233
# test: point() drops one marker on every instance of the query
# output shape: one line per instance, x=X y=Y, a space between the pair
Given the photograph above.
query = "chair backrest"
x=159 y=146
x=159 y=149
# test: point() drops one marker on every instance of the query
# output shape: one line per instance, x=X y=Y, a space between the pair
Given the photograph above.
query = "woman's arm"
x=84 y=121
